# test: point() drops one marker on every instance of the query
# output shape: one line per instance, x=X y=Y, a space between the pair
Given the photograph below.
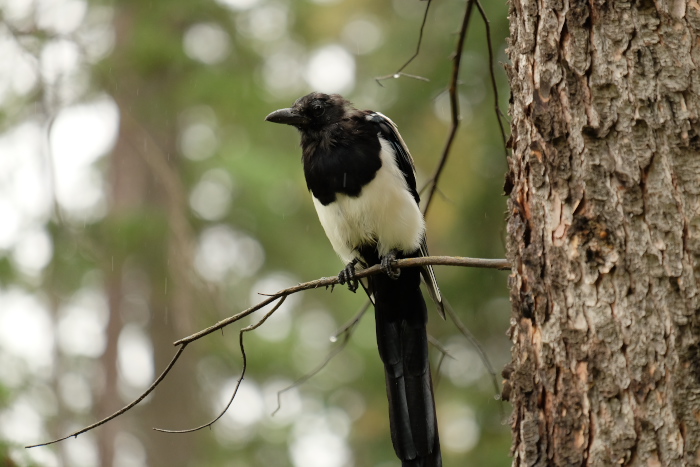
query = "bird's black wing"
x=388 y=131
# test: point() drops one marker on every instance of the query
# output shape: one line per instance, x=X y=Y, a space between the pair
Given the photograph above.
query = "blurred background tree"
x=142 y=197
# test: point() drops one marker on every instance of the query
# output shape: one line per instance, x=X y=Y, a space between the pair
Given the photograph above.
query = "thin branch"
x=454 y=103
x=240 y=380
x=492 y=74
x=470 y=337
x=331 y=355
x=501 y=264
x=399 y=73
x=346 y=331
x=443 y=353
x=126 y=408
x=349 y=327
x=441 y=348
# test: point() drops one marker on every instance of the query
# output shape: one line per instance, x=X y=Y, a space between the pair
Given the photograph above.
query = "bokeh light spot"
x=362 y=36
x=207 y=43
x=211 y=196
x=331 y=69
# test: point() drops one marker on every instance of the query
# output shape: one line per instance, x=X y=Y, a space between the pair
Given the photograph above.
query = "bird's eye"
x=318 y=110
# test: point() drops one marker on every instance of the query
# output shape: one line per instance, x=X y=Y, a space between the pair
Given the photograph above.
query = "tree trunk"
x=604 y=232
x=149 y=262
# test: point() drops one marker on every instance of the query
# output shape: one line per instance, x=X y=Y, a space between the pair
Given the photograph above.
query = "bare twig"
x=441 y=348
x=443 y=353
x=346 y=331
x=501 y=264
x=492 y=74
x=349 y=327
x=126 y=408
x=454 y=104
x=240 y=380
x=470 y=337
x=334 y=351
x=398 y=72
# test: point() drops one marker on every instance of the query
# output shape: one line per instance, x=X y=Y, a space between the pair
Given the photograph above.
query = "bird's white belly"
x=385 y=213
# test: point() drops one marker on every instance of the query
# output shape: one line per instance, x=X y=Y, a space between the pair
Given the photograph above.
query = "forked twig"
x=399 y=72
x=501 y=264
x=304 y=378
x=443 y=353
x=349 y=327
x=240 y=380
x=346 y=331
x=441 y=348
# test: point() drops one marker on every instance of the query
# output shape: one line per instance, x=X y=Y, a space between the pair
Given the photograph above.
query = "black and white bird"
x=362 y=179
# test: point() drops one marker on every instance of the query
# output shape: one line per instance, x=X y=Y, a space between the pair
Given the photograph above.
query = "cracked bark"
x=604 y=232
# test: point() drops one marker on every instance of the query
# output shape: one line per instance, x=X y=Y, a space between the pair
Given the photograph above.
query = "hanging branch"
x=500 y=264
x=454 y=96
x=443 y=353
x=346 y=331
x=482 y=354
x=454 y=104
x=399 y=72
x=492 y=74
x=238 y=383
x=349 y=327
x=124 y=409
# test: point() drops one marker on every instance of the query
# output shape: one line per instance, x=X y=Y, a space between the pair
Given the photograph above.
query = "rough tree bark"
x=604 y=232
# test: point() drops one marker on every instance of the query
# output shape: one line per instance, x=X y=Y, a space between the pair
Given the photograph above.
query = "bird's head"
x=314 y=111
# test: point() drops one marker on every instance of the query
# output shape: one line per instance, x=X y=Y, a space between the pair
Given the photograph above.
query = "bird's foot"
x=389 y=265
x=347 y=276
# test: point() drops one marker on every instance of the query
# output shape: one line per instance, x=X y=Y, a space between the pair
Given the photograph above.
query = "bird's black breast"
x=341 y=161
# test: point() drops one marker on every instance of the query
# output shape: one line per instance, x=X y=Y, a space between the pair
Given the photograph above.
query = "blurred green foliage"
x=167 y=92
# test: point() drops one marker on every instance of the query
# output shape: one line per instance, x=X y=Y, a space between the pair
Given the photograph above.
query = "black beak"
x=287 y=116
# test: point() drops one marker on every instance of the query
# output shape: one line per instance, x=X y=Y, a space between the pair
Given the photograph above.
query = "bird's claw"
x=388 y=265
x=347 y=276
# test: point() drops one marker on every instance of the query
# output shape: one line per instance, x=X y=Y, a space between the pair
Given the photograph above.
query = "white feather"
x=385 y=212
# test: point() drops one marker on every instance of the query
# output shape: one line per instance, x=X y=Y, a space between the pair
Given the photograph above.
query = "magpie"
x=362 y=180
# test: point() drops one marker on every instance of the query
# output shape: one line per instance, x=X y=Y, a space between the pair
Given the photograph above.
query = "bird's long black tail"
x=401 y=317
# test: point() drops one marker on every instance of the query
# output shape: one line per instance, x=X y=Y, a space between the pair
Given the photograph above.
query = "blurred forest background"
x=143 y=197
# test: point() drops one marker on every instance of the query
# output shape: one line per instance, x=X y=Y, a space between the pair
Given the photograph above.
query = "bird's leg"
x=389 y=265
x=347 y=276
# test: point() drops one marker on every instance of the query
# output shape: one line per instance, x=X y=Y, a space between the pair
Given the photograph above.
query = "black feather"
x=344 y=166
